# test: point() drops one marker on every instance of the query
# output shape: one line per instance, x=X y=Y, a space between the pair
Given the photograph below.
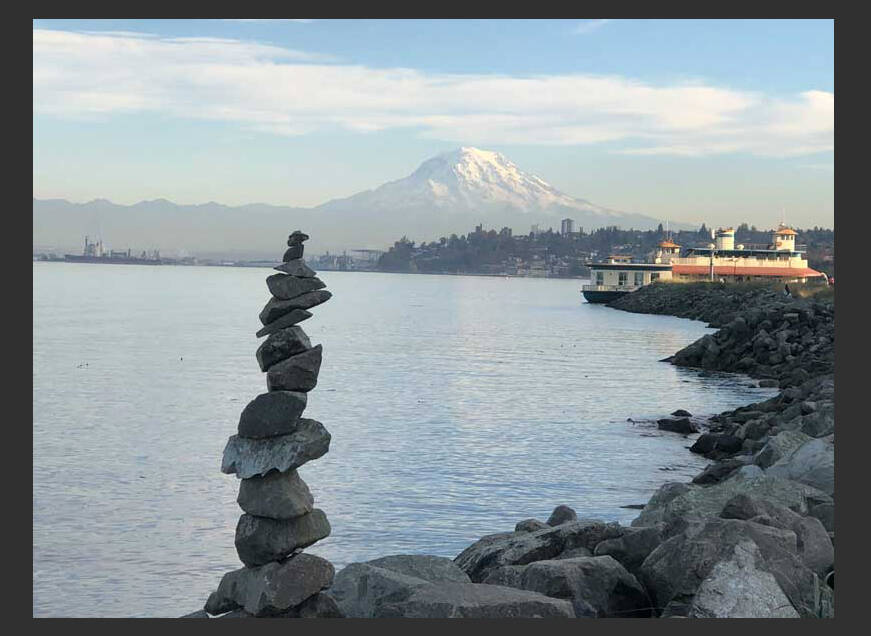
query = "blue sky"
x=691 y=120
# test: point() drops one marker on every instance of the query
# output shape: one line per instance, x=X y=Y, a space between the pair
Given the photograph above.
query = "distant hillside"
x=445 y=194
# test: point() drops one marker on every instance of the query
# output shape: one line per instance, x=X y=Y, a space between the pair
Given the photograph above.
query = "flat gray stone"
x=694 y=504
x=281 y=345
x=296 y=267
x=285 y=287
x=297 y=373
x=276 y=308
x=473 y=600
x=260 y=540
x=520 y=548
x=530 y=525
x=272 y=588
x=598 y=587
x=275 y=495
x=361 y=589
x=433 y=569
x=271 y=414
x=287 y=320
x=248 y=457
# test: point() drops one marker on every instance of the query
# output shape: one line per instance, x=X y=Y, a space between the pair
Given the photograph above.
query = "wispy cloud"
x=281 y=91
x=588 y=26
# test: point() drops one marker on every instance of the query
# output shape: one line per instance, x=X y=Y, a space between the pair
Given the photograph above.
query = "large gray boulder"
x=276 y=308
x=779 y=446
x=737 y=588
x=598 y=587
x=249 y=457
x=272 y=414
x=694 y=504
x=812 y=540
x=281 y=345
x=287 y=320
x=296 y=267
x=471 y=600
x=675 y=570
x=260 y=540
x=285 y=287
x=813 y=463
x=494 y=551
x=297 y=373
x=633 y=546
x=272 y=588
x=530 y=525
x=361 y=589
x=434 y=569
x=275 y=495
x=321 y=605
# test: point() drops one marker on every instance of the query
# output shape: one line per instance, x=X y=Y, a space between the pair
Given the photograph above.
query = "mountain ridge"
x=447 y=194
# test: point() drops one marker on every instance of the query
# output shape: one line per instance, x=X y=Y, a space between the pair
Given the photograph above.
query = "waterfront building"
x=619 y=275
x=781 y=259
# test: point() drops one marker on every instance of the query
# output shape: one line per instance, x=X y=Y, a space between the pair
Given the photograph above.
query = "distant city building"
x=779 y=260
x=567 y=227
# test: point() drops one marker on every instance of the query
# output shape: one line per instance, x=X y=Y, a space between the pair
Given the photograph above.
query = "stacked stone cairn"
x=273 y=441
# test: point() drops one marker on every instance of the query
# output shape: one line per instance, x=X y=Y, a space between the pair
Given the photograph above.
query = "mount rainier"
x=447 y=194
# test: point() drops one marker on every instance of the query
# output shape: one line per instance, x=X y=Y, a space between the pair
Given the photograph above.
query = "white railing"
x=627 y=288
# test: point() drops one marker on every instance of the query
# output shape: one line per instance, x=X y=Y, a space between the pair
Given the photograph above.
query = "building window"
x=600 y=278
x=621 y=279
x=654 y=276
x=639 y=279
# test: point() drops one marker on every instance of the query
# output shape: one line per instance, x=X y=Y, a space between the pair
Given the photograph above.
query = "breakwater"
x=750 y=536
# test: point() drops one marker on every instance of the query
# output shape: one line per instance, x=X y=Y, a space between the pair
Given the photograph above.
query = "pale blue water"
x=457 y=405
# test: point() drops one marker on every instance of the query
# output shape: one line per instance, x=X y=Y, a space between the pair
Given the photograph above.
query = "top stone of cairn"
x=297 y=238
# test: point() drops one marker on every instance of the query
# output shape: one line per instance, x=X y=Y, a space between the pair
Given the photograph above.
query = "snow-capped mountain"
x=470 y=180
x=448 y=194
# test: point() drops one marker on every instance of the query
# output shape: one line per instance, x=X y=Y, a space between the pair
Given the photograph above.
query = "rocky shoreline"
x=751 y=536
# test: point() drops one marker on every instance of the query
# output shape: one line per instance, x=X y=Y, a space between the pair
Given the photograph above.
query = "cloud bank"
x=276 y=90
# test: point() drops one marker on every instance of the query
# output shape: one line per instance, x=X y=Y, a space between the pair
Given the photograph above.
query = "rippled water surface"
x=457 y=405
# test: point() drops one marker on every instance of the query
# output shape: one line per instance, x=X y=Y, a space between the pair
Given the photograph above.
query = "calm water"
x=458 y=406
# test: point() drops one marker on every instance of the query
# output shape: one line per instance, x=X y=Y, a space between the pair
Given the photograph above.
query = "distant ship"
x=94 y=253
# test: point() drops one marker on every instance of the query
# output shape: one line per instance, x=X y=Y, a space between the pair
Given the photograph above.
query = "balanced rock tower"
x=274 y=440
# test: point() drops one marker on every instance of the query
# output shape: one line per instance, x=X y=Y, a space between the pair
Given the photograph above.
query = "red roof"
x=786 y=230
x=669 y=243
x=731 y=270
